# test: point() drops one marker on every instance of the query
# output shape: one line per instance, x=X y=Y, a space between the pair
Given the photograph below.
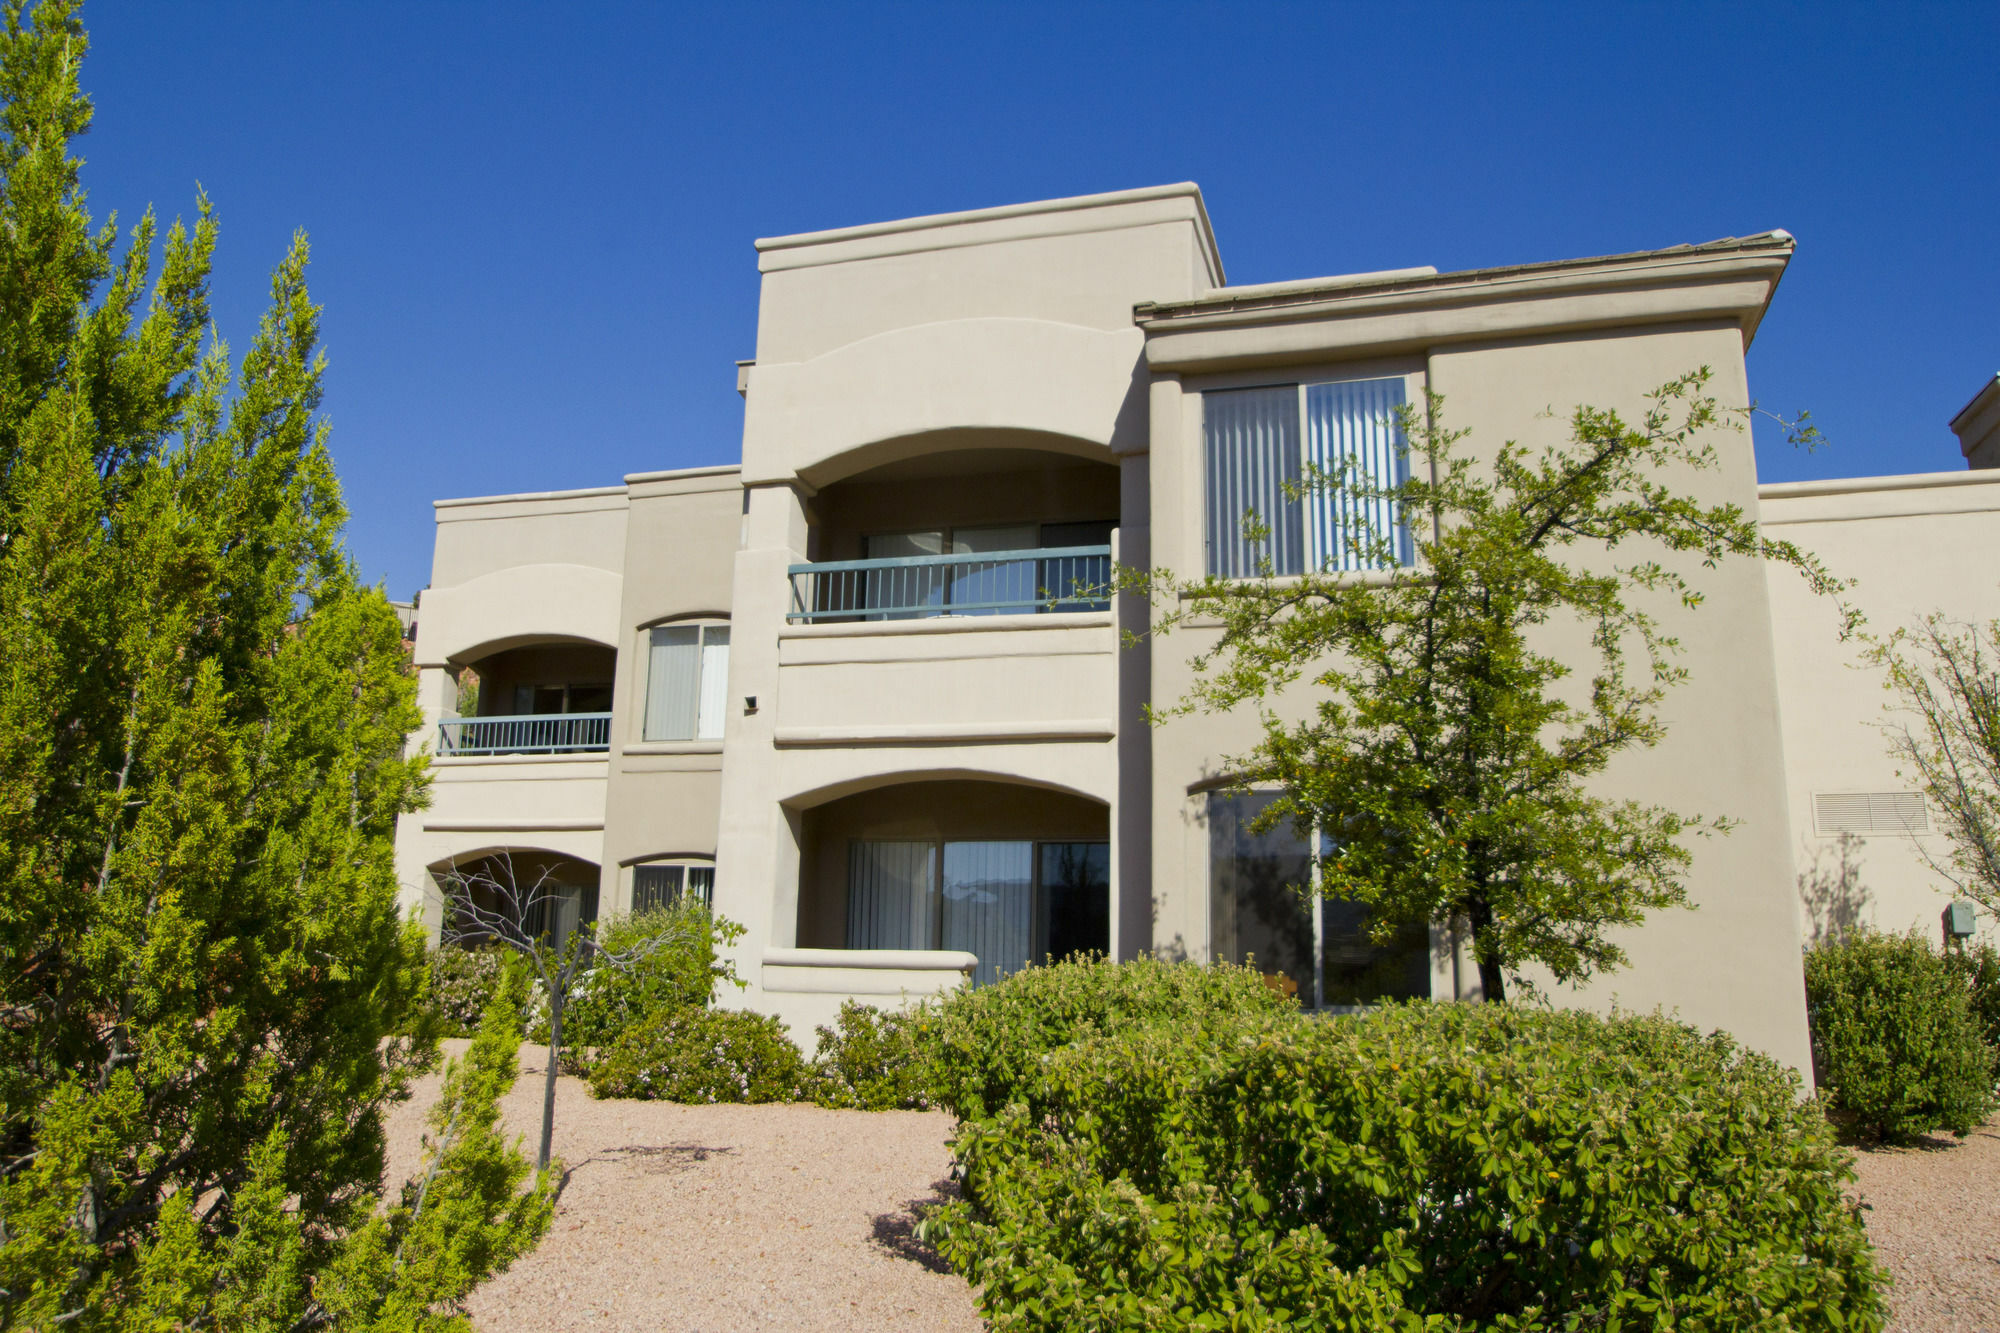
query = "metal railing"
x=543 y=733
x=1059 y=578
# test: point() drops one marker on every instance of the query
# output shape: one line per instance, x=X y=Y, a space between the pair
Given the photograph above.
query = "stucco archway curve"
x=817 y=420
x=480 y=853
x=833 y=791
x=518 y=605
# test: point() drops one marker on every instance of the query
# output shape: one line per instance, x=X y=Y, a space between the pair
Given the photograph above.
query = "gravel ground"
x=796 y=1217
x=719 y=1217
x=1934 y=1215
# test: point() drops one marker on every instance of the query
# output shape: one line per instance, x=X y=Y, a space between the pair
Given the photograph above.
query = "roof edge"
x=926 y=221
x=586 y=493
x=1990 y=389
x=674 y=473
x=1903 y=481
x=1277 y=296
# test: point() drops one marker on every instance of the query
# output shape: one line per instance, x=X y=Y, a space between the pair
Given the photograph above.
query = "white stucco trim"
x=513 y=825
x=956 y=960
x=947 y=733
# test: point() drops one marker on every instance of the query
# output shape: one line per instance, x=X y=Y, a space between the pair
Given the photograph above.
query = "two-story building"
x=867 y=693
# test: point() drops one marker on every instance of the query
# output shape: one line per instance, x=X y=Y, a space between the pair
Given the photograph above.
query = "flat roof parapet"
x=1110 y=211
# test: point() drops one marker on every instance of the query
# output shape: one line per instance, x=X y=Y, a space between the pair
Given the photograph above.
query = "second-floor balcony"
x=976 y=583
x=547 y=733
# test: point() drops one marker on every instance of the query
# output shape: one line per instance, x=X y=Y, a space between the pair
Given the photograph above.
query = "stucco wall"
x=1732 y=962
x=663 y=798
x=1914 y=545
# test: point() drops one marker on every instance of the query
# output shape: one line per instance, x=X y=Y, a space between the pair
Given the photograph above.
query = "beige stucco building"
x=856 y=688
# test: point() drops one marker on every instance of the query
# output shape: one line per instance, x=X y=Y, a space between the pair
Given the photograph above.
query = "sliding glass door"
x=989 y=907
x=1008 y=902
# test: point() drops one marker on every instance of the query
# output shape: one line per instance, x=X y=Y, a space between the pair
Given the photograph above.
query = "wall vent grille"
x=1871 y=812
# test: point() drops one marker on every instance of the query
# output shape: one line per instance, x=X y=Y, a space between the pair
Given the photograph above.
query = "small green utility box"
x=1958 y=921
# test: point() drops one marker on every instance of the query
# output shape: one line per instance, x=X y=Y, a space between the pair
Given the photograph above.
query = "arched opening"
x=985 y=526
x=546 y=895
x=552 y=696
x=1013 y=874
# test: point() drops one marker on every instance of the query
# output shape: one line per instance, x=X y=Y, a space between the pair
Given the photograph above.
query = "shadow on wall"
x=1831 y=890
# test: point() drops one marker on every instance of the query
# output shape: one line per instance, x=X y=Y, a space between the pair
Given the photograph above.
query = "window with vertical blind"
x=668 y=883
x=1009 y=902
x=687 y=682
x=1255 y=441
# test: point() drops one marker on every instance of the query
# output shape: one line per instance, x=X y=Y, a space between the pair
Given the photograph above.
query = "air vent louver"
x=1871 y=812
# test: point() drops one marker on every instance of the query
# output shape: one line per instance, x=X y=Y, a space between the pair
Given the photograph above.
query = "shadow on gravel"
x=653 y=1159
x=897 y=1232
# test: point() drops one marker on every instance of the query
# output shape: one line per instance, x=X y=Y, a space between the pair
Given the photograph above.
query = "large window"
x=1258 y=440
x=1008 y=902
x=687 y=682
x=668 y=883
x=1258 y=914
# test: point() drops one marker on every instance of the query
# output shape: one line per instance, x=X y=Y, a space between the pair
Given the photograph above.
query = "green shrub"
x=684 y=1054
x=678 y=964
x=1979 y=969
x=872 y=1060
x=1419 y=1166
x=462 y=984
x=985 y=1045
x=1896 y=1048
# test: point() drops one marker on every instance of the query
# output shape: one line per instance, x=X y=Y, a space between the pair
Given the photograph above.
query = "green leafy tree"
x=629 y=966
x=206 y=991
x=1449 y=752
x=1946 y=678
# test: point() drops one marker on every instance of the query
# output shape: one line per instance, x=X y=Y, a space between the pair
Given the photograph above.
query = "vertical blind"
x=1351 y=431
x=1256 y=440
x=989 y=904
x=714 y=682
x=891 y=895
x=660 y=884
x=687 y=679
x=981 y=897
x=1253 y=450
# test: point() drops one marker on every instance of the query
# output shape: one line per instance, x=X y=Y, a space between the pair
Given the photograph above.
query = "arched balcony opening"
x=1012 y=874
x=991 y=529
x=546 y=894
x=548 y=697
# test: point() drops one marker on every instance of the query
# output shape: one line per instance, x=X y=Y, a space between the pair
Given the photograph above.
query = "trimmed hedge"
x=1897 y=1049
x=986 y=1045
x=693 y=1055
x=1419 y=1166
x=872 y=1060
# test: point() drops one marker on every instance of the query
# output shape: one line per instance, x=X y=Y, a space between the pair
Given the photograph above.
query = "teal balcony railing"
x=982 y=583
x=542 y=733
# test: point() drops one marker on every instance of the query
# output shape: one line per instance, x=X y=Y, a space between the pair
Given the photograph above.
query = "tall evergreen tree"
x=206 y=992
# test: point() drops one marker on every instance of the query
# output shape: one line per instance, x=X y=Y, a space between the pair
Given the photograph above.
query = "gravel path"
x=1934 y=1215
x=719 y=1217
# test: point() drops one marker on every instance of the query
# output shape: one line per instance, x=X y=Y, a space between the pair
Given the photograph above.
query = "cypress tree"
x=207 y=996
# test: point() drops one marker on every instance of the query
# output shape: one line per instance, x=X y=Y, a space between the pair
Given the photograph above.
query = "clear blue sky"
x=532 y=224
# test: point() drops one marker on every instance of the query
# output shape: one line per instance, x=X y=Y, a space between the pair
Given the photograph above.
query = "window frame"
x=1039 y=907
x=686 y=863
x=702 y=624
x=1311 y=989
x=1300 y=380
